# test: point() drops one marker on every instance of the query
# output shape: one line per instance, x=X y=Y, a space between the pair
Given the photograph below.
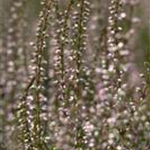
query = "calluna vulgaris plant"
x=70 y=78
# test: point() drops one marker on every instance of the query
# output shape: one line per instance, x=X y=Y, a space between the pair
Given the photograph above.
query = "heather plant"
x=10 y=68
x=70 y=78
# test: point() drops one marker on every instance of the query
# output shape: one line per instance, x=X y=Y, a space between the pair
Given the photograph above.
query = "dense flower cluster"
x=72 y=84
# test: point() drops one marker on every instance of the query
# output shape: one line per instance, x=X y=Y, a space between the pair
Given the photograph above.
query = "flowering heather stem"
x=79 y=47
x=40 y=47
